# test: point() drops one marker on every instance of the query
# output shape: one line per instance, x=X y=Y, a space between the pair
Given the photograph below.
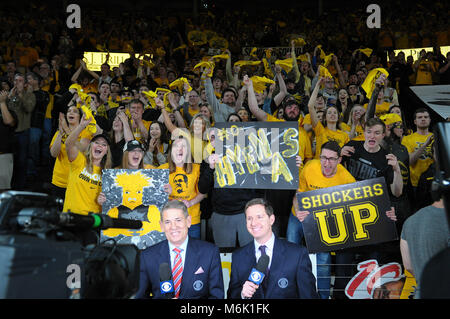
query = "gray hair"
x=175 y=204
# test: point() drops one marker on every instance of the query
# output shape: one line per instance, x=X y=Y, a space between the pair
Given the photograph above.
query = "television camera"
x=47 y=253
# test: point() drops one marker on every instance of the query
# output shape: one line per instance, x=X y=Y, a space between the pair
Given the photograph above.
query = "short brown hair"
x=260 y=201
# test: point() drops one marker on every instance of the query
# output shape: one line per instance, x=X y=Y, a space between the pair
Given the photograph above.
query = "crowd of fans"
x=54 y=109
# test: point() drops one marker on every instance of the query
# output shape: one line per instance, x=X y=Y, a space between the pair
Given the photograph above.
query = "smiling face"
x=175 y=225
x=155 y=131
x=179 y=152
x=73 y=115
x=229 y=98
x=329 y=161
x=135 y=157
x=198 y=126
x=332 y=115
x=204 y=110
x=259 y=223
x=99 y=148
x=343 y=95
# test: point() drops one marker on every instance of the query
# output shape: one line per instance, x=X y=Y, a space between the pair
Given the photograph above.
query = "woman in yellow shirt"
x=183 y=178
x=329 y=128
x=355 y=125
x=67 y=123
x=85 y=177
x=197 y=131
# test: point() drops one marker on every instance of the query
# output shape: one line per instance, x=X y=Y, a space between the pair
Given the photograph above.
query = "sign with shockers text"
x=347 y=216
x=256 y=155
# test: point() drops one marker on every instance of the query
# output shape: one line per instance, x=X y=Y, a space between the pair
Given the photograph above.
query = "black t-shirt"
x=364 y=165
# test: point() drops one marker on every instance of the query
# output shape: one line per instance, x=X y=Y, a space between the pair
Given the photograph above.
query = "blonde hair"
x=105 y=163
x=187 y=166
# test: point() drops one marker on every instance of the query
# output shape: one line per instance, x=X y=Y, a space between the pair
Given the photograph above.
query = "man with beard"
x=282 y=199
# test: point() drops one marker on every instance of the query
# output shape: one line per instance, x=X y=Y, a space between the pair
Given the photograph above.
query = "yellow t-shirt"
x=380 y=109
x=412 y=143
x=311 y=178
x=185 y=187
x=83 y=188
x=62 y=165
x=423 y=75
x=324 y=134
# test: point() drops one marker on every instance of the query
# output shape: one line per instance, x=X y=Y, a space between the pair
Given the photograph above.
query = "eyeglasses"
x=330 y=159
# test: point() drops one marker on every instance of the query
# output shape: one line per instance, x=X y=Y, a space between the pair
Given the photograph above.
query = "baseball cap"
x=106 y=137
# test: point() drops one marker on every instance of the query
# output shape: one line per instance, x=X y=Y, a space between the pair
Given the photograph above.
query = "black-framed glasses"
x=330 y=159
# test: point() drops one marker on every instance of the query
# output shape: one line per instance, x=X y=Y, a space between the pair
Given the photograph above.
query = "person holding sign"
x=288 y=273
x=318 y=173
x=196 y=271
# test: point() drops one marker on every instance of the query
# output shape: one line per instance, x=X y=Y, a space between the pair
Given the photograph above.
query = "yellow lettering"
x=224 y=172
x=306 y=203
x=363 y=214
x=290 y=138
x=357 y=193
x=326 y=199
x=346 y=195
x=316 y=201
x=261 y=145
x=279 y=167
x=236 y=158
x=324 y=227
x=234 y=130
x=333 y=195
x=367 y=190
x=250 y=160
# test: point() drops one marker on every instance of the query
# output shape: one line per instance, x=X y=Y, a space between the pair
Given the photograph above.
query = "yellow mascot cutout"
x=133 y=185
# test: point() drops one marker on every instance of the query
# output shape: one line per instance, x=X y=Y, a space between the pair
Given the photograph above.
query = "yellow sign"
x=95 y=59
x=415 y=52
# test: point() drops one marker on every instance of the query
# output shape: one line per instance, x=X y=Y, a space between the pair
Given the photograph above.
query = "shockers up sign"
x=346 y=216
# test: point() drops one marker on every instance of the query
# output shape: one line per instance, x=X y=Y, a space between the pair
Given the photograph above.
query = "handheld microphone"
x=257 y=275
x=94 y=221
x=166 y=282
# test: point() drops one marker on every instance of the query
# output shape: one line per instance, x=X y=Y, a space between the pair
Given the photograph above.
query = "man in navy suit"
x=195 y=264
x=289 y=272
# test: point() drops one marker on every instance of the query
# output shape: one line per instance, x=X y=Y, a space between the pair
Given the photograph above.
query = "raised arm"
x=294 y=62
x=283 y=90
x=71 y=141
x=312 y=103
x=371 y=107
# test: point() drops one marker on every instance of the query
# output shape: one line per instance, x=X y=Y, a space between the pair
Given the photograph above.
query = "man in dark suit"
x=289 y=272
x=195 y=264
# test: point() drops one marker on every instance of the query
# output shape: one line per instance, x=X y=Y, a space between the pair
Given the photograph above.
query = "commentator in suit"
x=289 y=271
x=195 y=264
